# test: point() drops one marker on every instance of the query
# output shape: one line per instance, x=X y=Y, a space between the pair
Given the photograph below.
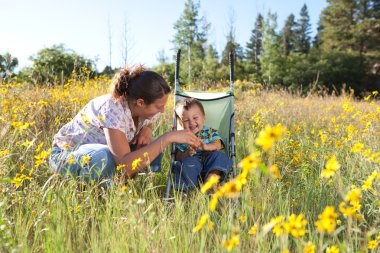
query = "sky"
x=88 y=26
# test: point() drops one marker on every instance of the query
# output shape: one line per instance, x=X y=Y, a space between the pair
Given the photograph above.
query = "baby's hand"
x=204 y=146
x=191 y=151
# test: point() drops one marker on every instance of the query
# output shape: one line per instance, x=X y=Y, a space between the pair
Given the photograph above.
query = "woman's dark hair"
x=133 y=83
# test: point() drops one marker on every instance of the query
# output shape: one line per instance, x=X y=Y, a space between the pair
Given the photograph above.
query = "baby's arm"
x=216 y=145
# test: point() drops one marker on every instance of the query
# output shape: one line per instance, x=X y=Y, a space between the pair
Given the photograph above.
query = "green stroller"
x=219 y=108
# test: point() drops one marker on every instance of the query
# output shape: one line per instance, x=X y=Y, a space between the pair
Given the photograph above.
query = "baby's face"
x=193 y=119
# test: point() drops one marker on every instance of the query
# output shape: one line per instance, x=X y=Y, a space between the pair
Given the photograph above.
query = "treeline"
x=345 y=52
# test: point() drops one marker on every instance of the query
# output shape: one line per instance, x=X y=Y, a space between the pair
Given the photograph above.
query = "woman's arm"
x=145 y=136
x=119 y=147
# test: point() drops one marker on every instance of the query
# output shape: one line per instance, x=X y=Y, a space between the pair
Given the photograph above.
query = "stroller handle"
x=177 y=63
x=231 y=62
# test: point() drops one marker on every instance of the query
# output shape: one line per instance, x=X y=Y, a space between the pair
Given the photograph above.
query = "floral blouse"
x=101 y=112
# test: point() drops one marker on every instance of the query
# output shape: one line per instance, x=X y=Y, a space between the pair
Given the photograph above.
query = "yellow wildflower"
x=267 y=227
x=243 y=218
x=327 y=220
x=210 y=225
x=201 y=223
x=120 y=166
x=372 y=244
x=275 y=171
x=367 y=152
x=78 y=208
x=101 y=118
x=86 y=159
x=310 y=248
x=66 y=146
x=41 y=157
x=214 y=201
x=268 y=136
x=231 y=189
x=250 y=162
x=331 y=167
x=354 y=195
x=86 y=120
x=367 y=185
x=332 y=249
x=136 y=163
x=214 y=179
x=26 y=144
x=295 y=225
x=357 y=147
x=234 y=241
x=71 y=159
x=349 y=210
x=253 y=229
x=277 y=229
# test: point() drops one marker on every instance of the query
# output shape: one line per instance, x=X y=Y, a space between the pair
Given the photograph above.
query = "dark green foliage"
x=7 y=65
x=303 y=31
x=289 y=35
x=55 y=65
x=191 y=37
x=254 y=45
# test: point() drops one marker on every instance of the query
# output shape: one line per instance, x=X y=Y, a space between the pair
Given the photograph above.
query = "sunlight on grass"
x=308 y=180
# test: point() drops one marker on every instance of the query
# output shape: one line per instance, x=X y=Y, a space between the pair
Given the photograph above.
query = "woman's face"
x=148 y=111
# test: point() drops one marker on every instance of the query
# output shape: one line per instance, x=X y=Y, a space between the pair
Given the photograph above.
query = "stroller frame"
x=230 y=139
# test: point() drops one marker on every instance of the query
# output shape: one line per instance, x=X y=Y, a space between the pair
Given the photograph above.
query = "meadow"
x=308 y=180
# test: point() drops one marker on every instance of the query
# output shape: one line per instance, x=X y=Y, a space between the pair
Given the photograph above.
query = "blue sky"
x=84 y=25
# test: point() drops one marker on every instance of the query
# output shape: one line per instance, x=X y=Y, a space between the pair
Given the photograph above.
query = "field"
x=308 y=180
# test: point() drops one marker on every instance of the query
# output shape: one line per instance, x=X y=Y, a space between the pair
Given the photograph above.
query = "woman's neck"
x=132 y=108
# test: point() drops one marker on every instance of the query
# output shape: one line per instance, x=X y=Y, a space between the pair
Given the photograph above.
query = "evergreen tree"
x=271 y=60
x=254 y=45
x=191 y=37
x=337 y=20
x=351 y=30
x=210 y=65
x=288 y=35
x=303 y=31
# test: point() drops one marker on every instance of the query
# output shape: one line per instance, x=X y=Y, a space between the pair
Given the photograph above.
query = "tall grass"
x=40 y=212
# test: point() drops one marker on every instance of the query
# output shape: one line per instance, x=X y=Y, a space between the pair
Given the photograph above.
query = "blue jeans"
x=100 y=169
x=188 y=171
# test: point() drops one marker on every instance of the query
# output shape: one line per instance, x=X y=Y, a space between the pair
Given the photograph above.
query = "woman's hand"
x=144 y=137
x=183 y=136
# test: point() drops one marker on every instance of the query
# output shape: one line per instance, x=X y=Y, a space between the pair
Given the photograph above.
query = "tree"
x=210 y=65
x=56 y=64
x=352 y=28
x=303 y=31
x=126 y=44
x=254 y=45
x=289 y=35
x=253 y=51
x=191 y=37
x=7 y=65
x=236 y=49
x=271 y=59
x=164 y=68
x=337 y=20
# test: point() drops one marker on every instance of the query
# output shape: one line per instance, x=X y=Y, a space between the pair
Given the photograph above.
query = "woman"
x=114 y=131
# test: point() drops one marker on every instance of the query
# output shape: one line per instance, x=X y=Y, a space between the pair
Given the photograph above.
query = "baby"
x=207 y=160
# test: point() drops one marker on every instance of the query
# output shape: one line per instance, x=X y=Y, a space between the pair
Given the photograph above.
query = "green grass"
x=51 y=214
